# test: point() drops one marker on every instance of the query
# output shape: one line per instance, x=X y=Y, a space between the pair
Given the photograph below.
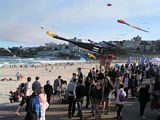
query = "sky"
x=20 y=20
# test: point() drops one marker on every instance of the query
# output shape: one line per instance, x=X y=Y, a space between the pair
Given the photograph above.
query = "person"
x=80 y=74
x=120 y=100
x=48 y=89
x=71 y=97
x=17 y=76
x=73 y=77
x=87 y=85
x=12 y=97
x=25 y=91
x=92 y=95
x=143 y=98
x=43 y=103
x=57 y=85
x=116 y=86
x=133 y=85
x=80 y=93
x=107 y=92
x=33 y=107
x=36 y=85
x=126 y=83
x=97 y=97
x=64 y=87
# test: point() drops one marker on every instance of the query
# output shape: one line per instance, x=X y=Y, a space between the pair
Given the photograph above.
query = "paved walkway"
x=58 y=111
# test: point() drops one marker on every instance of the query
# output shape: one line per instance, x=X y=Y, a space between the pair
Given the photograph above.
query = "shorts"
x=23 y=101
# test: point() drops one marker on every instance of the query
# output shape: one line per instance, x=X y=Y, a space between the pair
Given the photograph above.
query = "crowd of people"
x=95 y=91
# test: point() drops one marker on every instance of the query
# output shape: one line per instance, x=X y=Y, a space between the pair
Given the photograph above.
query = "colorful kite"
x=90 y=55
x=123 y=22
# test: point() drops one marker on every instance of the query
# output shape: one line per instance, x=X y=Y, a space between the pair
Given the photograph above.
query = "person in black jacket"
x=80 y=93
x=48 y=89
x=144 y=97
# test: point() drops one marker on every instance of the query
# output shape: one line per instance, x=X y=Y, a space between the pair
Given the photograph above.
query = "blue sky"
x=20 y=20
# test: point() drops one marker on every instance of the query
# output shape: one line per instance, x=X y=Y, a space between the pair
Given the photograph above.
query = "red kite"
x=123 y=22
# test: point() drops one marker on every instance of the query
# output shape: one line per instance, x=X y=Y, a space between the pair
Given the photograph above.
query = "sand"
x=45 y=73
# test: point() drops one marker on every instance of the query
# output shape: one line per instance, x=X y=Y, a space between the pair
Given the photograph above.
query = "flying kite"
x=109 y=4
x=123 y=22
x=101 y=47
x=90 y=55
x=42 y=27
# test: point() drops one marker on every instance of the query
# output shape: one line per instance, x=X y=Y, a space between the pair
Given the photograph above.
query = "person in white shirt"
x=126 y=83
x=120 y=100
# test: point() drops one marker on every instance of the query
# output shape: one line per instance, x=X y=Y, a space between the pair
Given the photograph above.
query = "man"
x=48 y=89
x=73 y=77
x=80 y=93
x=144 y=97
x=71 y=97
x=25 y=90
x=57 y=85
x=80 y=74
x=36 y=85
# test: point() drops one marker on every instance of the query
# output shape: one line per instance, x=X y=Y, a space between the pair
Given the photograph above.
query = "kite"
x=90 y=55
x=123 y=22
x=42 y=27
x=109 y=4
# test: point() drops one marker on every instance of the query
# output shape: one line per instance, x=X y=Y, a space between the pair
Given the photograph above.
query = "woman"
x=97 y=97
x=43 y=103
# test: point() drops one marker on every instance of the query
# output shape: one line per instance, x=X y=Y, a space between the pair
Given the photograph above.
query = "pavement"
x=58 y=111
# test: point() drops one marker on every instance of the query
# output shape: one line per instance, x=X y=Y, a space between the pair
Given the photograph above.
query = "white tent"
x=155 y=60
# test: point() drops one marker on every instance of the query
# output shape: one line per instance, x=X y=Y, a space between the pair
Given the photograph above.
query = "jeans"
x=79 y=103
x=71 y=107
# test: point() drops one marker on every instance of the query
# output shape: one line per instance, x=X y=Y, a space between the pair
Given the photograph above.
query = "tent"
x=155 y=60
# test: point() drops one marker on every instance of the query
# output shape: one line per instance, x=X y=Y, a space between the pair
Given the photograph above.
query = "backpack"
x=23 y=88
x=122 y=98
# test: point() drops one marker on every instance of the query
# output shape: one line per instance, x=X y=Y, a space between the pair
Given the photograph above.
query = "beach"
x=45 y=72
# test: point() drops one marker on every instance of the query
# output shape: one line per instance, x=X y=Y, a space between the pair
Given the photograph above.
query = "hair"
x=41 y=90
x=121 y=86
x=74 y=80
x=59 y=77
x=74 y=74
x=37 y=78
x=80 y=81
x=147 y=86
x=28 y=79
x=79 y=68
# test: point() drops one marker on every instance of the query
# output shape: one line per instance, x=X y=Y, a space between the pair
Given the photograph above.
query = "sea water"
x=9 y=60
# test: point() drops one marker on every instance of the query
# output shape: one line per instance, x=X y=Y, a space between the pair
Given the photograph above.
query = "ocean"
x=9 y=60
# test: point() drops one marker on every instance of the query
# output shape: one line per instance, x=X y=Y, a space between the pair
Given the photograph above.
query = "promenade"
x=58 y=111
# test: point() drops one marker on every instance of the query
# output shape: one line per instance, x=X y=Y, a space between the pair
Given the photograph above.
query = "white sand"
x=44 y=75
